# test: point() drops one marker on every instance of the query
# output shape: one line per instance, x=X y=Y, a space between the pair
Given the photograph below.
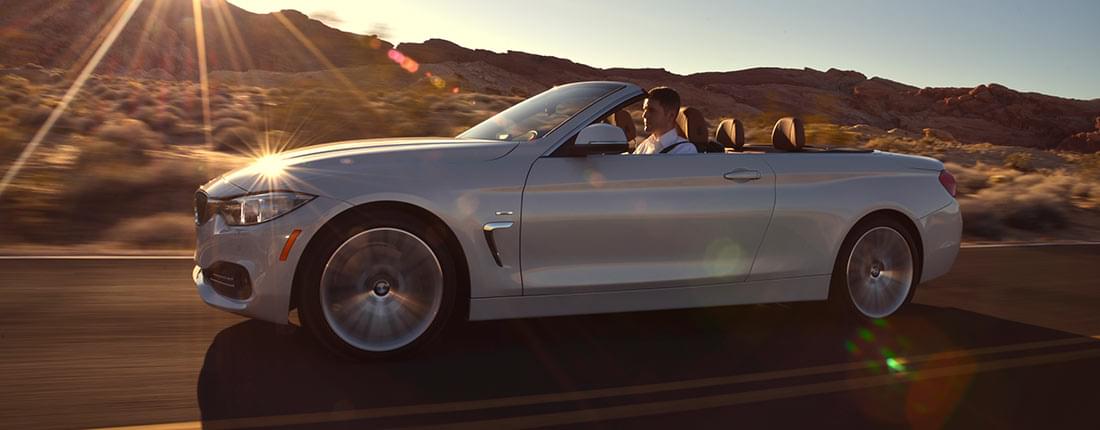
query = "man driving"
x=659 y=113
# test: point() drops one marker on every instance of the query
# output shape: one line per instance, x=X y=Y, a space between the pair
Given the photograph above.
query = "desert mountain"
x=159 y=40
x=159 y=43
x=986 y=113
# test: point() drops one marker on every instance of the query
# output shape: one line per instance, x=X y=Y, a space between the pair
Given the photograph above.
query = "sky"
x=1047 y=47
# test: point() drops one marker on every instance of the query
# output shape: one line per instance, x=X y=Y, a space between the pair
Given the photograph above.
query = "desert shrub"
x=129 y=131
x=981 y=219
x=239 y=114
x=1040 y=215
x=981 y=176
x=98 y=155
x=239 y=139
x=11 y=81
x=30 y=116
x=111 y=94
x=217 y=126
x=1089 y=166
x=1020 y=161
x=136 y=102
x=830 y=135
x=163 y=122
x=158 y=119
x=4 y=100
x=14 y=95
x=73 y=121
x=1033 y=202
x=162 y=230
x=890 y=144
x=84 y=210
x=9 y=132
x=190 y=105
x=1084 y=190
x=176 y=111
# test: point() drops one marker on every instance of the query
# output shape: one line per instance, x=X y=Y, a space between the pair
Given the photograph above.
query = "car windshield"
x=539 y=115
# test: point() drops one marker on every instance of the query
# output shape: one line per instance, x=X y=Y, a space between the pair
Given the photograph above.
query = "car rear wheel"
x=877 y=270
x=380 y=289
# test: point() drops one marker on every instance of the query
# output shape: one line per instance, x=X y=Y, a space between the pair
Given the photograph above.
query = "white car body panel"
x=819 y=197
x=592 y=234
x=615 y=222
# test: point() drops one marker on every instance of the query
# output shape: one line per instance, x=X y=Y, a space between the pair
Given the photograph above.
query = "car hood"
x=293 y=170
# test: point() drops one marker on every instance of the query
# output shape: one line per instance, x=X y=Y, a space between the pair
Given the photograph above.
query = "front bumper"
x=257 y=249
x=941 y=232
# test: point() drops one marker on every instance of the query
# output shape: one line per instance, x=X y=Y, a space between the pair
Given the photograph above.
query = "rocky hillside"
x=160 y=38
x=159 y=43
x=986 y=113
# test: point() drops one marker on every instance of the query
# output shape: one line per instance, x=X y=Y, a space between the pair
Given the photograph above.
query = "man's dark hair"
x=667 y=97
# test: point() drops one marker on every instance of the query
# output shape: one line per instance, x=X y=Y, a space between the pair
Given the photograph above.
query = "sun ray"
x=312 y=48
x=223 y=32
x=98 y=39
x=235 y=32
x=69 y=95
x=204 y=82
x=141 y=50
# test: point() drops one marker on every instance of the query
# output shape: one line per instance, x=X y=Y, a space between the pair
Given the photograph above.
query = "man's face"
x=655 y=117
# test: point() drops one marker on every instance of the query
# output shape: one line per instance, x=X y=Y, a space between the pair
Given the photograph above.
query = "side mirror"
x=601 y=139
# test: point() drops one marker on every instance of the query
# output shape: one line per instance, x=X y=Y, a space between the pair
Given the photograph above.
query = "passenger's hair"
x=667 y=97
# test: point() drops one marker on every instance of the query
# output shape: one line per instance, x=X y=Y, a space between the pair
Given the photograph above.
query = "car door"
x=621 y=222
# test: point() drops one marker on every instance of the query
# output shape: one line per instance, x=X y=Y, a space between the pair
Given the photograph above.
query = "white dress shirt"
x=654 y=145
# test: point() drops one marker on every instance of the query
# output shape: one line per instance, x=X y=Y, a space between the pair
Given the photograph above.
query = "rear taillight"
x=948 y=182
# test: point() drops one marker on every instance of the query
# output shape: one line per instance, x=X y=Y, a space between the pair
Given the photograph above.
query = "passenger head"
x=660 y=109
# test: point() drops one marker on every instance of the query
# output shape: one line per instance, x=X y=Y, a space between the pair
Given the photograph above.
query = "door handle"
x=489 y=230
x=742 y=175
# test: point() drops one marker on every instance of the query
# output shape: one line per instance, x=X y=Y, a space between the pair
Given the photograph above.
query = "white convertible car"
x=537 y=212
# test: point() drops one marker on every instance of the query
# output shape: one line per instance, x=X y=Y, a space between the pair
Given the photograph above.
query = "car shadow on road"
x=255 y=369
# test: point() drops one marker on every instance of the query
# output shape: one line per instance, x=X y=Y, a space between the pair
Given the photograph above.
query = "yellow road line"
x=724 y=400
x=470 y=405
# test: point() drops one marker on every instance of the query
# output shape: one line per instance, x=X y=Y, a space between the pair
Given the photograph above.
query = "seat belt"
x=670 y=147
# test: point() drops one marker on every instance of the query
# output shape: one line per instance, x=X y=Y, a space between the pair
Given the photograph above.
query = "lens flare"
x=320 y=56
x=269 y=166
x=437 y=82
x=896 y=364
x=406 y=63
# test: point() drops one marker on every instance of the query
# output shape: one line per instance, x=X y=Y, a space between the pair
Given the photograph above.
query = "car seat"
x=731 y=134
x=788 y=135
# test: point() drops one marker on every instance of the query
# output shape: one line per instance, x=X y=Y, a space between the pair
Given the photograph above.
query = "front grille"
x=228 y=279
x=203 y=208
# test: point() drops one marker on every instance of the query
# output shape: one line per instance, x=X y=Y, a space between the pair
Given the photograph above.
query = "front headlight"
x=258 y=208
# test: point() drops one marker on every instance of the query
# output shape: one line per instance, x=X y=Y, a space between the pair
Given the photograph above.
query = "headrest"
x=693 y=126
x=731 y=134
x=788 y=134
x=623 y=120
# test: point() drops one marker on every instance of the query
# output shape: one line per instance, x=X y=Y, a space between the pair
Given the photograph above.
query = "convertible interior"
x=788 y=134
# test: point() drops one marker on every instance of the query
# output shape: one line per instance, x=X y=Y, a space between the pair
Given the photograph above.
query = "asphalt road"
x=1007 y=340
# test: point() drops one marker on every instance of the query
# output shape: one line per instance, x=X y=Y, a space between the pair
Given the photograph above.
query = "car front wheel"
x=379 y=289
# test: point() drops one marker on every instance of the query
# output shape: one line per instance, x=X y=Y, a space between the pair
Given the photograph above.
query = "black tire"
x=842 y=293
x=311 y=309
